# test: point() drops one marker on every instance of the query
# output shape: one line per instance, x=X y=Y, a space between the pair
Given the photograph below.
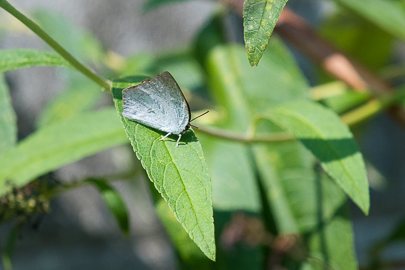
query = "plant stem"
x=372 y=107
x=55 y=45
x=228 y=135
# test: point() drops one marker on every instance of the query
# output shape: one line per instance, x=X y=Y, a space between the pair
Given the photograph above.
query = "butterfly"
x=158 y=103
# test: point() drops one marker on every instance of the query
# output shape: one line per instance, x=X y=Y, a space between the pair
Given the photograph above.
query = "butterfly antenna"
x=199 y=116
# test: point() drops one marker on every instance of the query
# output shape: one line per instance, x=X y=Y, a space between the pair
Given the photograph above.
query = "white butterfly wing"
x=157 y=103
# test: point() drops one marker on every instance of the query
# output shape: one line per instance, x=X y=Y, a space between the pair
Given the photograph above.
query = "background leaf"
x=114 y=202
x=298 y=200
x=331 y=142
x=80 y=96
x=152 y=4
x=8 y=125
x=178 y=173
x=59 y=144
x=389 y=15
x=259 y=19
x=13 y=59
x=79 y=42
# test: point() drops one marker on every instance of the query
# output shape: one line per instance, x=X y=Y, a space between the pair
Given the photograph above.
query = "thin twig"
x=243 y=138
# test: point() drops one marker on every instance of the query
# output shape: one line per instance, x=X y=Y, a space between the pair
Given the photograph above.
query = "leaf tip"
x=364 y=204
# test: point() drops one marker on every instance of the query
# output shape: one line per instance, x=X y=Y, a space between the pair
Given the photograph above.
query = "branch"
x=243 y=138
x=54 y=45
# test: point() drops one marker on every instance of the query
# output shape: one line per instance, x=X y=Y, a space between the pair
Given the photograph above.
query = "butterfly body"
x=158 y=103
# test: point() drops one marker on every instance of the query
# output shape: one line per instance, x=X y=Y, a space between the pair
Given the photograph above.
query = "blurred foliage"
x=273 y=206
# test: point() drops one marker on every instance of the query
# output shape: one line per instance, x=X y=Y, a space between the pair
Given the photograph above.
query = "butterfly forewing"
x=157 y=103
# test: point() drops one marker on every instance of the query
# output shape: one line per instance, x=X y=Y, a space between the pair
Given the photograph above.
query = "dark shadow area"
x=234 y=234
x=331 y=149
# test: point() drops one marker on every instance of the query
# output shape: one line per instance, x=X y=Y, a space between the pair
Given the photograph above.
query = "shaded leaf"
x=354 y=32
x=114 y=202
x=332 y=244
x=78 y=42
x=79 y=97
x=287 y=170
x=152 y=4
x=239 y=91
x=322 y=132
x=178 y=173
x=235 y=192
x=259 y=19
x=232 y=174
x=59 y=144
x=389 y=15
x=8 y=249
x=191 y=256
x=8 y=126
x=13 y=59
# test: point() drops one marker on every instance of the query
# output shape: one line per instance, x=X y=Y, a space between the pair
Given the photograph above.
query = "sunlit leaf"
x=322 y=132
x=178 y=173
x=59 y=144
x=13 y=59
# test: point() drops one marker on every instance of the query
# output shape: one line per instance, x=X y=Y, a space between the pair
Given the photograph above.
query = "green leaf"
x=331 y=247
x=8 y=125
x=231 y=177
x=285 y=169
x=239 y=91
x=59 y=144
x=354 y=33
x=8 y=249
x=114 y=202
x=389 y=15
x=178 y=173
x=13 y=59
x=304 y=201
x=78 y=42
x=259 y=19
x=191 y=256
x=79 y=97
x=322 y=132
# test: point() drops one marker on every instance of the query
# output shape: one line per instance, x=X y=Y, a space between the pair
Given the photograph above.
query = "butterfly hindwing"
x=157 y=103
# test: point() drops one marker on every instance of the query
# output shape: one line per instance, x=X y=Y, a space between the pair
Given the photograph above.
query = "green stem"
x=372 y=107
x=55 y=45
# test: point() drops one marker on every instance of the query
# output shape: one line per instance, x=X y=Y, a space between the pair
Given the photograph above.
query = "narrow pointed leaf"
x=322 y=132
x=13 y=59
x=114 y=202
x=59 y=144
x=259 y=19
x=179 y=174
x=8 y=126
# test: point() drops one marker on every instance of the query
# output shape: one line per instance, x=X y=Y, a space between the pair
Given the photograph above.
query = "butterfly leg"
x=164 y=137
x=178 y=140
